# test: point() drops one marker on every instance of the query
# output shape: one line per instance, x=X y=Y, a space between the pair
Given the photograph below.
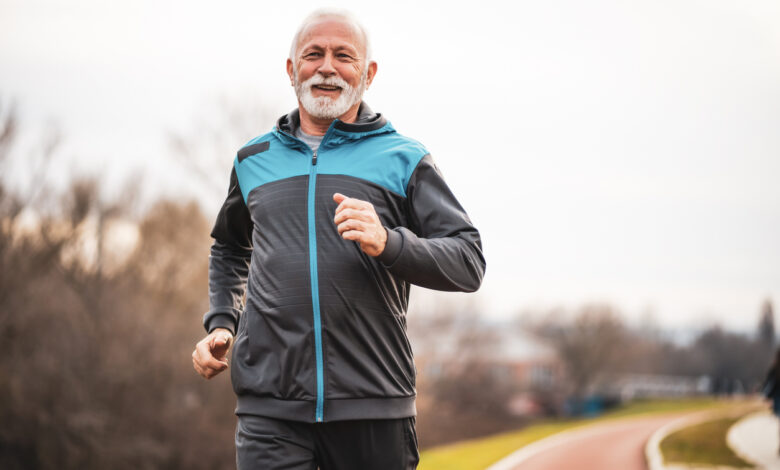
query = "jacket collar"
x=367 y=122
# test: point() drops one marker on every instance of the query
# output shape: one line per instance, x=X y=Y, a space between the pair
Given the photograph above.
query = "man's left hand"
x=357 y=221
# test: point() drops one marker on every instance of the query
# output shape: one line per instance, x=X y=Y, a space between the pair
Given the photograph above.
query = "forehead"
x=332 y=32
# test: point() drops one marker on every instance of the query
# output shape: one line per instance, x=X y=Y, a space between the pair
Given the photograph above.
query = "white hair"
x=334 y=13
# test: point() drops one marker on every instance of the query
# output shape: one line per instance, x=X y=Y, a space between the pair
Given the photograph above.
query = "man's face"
x=330 y=72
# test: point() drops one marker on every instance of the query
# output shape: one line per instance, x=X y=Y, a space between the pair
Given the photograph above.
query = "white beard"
x=324 y=107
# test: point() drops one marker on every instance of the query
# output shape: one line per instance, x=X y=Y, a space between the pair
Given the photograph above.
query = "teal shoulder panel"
x=274 y=161
x=384 y=159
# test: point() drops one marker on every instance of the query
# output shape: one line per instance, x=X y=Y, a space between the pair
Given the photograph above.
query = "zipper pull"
x=314 y=158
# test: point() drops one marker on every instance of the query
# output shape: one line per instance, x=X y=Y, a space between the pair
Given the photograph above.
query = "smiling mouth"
x=327 y=87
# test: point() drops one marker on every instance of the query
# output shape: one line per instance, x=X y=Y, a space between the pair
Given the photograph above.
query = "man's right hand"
x=210 y=355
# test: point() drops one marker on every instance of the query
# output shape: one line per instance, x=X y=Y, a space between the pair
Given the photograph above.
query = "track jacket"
x=322 y=336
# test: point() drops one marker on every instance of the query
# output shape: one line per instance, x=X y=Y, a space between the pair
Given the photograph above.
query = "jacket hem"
x=335 y=410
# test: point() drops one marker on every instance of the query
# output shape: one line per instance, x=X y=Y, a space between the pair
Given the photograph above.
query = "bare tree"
x=463 y=388
x=207 y=151
x=589 y=345
x=735 y=362
x=95 y=371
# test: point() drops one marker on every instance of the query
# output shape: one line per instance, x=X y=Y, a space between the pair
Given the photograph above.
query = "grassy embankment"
x=704 y=444
x=481 y=453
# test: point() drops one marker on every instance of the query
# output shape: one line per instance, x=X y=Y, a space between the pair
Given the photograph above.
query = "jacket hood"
x=368 y=122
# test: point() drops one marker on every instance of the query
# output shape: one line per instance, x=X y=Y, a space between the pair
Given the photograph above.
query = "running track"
x=615 y=445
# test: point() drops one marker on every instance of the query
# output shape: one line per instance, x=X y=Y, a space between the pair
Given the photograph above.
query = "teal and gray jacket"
x=322 y=336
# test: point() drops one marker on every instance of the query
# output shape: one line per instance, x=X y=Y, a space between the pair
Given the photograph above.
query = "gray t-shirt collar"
x=312 y=141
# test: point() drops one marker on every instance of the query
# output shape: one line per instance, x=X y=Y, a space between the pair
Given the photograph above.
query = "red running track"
x=615 y=445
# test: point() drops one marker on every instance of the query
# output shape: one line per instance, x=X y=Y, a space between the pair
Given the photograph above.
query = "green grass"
x=703 y=443
x=481 y=453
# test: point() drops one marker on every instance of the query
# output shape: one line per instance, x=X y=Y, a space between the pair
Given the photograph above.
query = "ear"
x=290 y=72
x=371 y=73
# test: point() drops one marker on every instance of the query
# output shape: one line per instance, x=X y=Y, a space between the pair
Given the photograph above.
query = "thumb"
x=219 y=339
x=338 y=197
x=224 y=338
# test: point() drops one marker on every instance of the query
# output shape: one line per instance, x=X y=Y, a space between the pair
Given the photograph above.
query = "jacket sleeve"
x=231 y=253
x=441 y=249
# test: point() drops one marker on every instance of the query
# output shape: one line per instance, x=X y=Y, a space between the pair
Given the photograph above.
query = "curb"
x=653 y=456
x=655 y=461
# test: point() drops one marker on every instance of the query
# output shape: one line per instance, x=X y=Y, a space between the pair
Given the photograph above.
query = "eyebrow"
x=352 y=50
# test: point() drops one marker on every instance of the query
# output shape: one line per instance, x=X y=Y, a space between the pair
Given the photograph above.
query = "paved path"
x=755 y=438
x=614 y=445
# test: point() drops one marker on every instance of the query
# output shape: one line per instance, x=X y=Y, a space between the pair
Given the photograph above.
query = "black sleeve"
x=231 y=253
x=442 y=249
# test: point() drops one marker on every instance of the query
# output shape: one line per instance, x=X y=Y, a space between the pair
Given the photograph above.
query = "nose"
x=326 y=68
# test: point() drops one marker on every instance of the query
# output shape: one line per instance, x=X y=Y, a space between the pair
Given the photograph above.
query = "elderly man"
x=329 y=219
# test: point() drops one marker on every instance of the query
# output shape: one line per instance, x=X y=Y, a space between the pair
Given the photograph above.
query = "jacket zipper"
x=315 y=292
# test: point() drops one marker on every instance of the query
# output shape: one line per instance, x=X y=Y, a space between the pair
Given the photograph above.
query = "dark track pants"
x=377 y=444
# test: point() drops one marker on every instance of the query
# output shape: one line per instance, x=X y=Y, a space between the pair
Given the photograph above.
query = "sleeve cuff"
x=393 y=248
x=221 y=321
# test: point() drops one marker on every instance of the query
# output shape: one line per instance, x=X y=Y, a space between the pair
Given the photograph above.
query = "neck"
x=316 y=126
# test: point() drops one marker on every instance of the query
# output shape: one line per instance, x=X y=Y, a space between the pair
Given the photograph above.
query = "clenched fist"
x=210 y=355
x=356 y=220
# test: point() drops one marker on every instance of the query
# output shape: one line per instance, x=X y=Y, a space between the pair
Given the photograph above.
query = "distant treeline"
x=469 y=379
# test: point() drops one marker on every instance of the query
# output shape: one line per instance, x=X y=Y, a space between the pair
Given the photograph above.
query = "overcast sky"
x=616 y=151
